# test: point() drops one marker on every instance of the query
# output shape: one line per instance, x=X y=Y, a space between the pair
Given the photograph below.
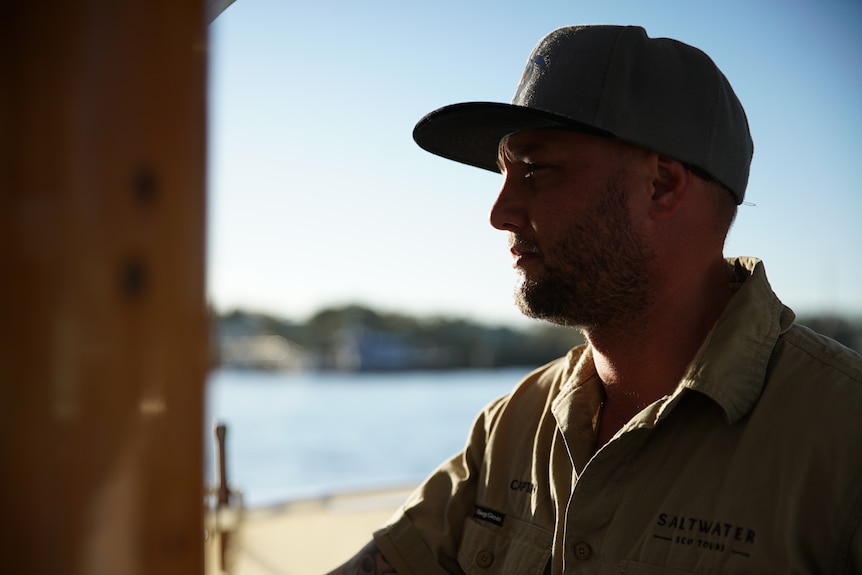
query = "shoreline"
x=307 y=536
x=334 y=496
x=340 y=500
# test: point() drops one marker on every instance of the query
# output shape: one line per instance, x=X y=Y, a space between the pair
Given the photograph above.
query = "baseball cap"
x=616 y=81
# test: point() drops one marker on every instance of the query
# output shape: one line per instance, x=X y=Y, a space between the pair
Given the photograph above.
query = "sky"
x=318 y=196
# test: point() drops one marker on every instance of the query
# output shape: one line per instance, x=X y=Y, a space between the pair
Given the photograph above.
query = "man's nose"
x=509 y=210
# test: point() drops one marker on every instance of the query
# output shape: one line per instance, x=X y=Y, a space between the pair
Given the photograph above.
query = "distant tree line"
x=450 y=342
x=445 y=342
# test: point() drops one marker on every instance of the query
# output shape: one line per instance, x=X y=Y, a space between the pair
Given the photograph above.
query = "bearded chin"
x=546 y=300
x=559 y=299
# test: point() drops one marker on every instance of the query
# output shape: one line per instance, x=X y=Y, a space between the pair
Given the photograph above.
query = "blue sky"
x=318 y=195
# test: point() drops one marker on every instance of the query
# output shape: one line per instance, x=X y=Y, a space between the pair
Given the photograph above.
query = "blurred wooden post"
x=103 y=337
x=222 y=491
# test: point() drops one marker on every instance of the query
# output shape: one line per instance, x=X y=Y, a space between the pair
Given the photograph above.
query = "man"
x=699 y=430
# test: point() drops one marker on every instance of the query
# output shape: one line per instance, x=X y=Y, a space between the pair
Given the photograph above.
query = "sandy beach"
x=308 y=537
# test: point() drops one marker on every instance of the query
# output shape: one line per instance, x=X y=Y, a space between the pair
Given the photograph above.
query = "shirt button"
x=484 y=559
x=582 y=551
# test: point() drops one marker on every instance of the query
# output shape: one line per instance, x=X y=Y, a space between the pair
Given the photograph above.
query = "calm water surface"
x=295 y=435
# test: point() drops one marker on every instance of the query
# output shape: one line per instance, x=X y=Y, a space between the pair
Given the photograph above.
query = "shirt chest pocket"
x=515 y=547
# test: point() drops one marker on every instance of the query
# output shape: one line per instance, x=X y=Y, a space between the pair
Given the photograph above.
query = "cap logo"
x=535 y=66
x=539 y=61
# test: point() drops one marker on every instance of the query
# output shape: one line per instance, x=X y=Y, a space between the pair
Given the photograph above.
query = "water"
x=296 y=435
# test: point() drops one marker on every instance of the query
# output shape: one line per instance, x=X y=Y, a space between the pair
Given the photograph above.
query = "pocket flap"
x=515 y=547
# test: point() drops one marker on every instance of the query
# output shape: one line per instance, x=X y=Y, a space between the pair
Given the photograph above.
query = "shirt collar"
x=731 y=365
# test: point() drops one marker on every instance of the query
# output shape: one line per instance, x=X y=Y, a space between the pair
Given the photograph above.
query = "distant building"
x=362 y=349
x=269 y=352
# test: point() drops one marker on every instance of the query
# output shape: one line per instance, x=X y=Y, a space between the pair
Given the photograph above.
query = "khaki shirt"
x=752 y=465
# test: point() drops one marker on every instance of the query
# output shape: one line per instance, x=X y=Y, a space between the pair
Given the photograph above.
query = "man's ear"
x=670 y=187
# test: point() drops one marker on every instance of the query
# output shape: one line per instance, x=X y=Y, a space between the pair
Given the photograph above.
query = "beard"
x=600 y=274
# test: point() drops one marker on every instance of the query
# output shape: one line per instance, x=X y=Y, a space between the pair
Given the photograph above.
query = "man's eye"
x=531 y=170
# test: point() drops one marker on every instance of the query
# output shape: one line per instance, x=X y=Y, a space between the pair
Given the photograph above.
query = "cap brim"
x=471 y=132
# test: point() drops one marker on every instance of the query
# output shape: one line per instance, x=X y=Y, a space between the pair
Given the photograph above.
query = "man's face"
x=565 y=204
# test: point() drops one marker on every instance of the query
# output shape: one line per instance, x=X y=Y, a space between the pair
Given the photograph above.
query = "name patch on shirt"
x=488 y=515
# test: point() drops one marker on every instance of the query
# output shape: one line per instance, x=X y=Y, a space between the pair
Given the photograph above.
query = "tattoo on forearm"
x=369 y=561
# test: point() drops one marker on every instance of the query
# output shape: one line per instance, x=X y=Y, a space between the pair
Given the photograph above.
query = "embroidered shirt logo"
x=706 y=534
x=523 y=486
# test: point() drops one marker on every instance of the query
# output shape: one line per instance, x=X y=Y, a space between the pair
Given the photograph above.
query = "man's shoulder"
x=816 y=353
x=813 y=379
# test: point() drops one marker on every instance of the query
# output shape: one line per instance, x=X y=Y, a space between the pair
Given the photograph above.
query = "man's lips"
x=523 y=253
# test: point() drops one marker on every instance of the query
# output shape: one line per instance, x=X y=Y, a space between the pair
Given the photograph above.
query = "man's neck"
x=646 y=359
